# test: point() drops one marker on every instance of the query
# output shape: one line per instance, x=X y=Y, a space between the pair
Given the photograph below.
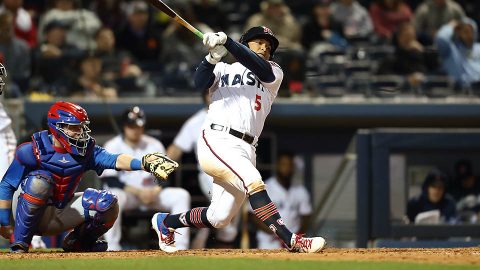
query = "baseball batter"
x=242 y=96
x=40 y=184
x=137 y=189
x=186 y=141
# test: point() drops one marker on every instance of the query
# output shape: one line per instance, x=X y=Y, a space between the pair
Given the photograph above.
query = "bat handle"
x=199 y=34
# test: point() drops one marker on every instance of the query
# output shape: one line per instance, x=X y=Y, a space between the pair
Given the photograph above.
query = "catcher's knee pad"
x=104 y=203
x=255 y=187
x=37 y=189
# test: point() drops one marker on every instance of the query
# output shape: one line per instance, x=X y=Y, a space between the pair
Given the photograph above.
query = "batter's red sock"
x=267 y=212
x=196 y=217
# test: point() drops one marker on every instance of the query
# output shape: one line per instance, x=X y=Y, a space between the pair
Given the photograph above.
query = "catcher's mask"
x=3 y=76
x=68 y=123
x=260 y=32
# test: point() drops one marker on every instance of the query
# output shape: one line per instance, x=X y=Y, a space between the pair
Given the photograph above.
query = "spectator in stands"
x=276 y=15
x=110 y=13
x=459 y=51
x=321 y=27
x=116 y=63
x=137 y=190
x=433 y=198
x=388 y=15
x=354 y=17
x=466 y=191
x=14 y=54
x=138 y=37
x=410 y=59
x=292 y=200
x=54 y=60
x=25 y=27
x=83 y=23
x=432 y=14
x=90 y=83
x=206 y=9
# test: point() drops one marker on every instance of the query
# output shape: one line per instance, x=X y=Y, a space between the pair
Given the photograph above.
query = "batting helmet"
x=260 y=32
x=134 y=116
x=61 y=116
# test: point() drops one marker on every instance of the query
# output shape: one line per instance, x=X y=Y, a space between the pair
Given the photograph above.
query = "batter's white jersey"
x=239 y=99
x=140 y=178
x=292 y=204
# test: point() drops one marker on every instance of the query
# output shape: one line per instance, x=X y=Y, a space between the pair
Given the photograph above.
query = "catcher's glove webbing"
x=159 y=165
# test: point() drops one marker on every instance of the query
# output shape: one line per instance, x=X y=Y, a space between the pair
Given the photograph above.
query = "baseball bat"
x=172 y=14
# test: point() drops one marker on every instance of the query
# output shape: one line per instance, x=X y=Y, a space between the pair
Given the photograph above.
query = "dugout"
x=376 y=222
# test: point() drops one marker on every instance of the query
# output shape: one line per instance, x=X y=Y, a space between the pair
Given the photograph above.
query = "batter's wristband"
x=135 y=164
x=4 y=216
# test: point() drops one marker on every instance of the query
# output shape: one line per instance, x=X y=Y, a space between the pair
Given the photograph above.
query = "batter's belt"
x=244 y=136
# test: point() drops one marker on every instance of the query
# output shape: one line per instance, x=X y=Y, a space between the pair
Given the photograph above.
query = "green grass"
x=199 y=263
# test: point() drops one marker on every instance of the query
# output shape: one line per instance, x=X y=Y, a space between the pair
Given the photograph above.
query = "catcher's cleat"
x=166 y=236
x=19 y=247
x=302 y=244
x=72 y=244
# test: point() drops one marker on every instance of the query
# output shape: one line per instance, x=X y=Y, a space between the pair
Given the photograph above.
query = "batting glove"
x=216 y=54
x=213 y=39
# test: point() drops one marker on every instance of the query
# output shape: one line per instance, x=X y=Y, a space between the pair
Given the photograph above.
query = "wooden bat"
x=172 y=14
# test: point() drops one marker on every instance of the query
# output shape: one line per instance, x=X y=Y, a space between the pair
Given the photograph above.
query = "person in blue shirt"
x=40 y=184
x=459 y=51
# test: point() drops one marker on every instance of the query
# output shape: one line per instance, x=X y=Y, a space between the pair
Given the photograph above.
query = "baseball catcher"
x=40 y=184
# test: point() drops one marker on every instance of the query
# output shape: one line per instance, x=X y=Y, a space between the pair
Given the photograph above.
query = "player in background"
x=292 y=200
x=186 y=141
x=242 y=95
x=138 y=189
x=40 y=184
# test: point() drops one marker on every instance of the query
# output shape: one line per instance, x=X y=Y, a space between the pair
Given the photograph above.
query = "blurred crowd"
x=115 y=48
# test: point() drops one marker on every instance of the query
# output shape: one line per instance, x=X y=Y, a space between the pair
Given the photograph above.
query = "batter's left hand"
x=213 y=39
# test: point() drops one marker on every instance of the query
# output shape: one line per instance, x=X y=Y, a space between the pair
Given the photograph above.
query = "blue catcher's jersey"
x=67 y=169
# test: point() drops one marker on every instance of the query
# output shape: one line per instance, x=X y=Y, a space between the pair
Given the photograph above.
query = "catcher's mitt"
x=159 y=165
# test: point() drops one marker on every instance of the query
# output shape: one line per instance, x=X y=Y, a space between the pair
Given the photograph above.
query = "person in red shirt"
x=387 y=15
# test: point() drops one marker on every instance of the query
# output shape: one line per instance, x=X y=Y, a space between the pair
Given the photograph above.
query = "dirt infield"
x=466 y=256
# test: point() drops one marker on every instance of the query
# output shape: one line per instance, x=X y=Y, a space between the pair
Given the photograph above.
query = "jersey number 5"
x=258 y=105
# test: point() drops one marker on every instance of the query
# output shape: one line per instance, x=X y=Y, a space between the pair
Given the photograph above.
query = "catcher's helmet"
x=134 y=116
x=3 y=76
x=62 y=116
x=260 y=32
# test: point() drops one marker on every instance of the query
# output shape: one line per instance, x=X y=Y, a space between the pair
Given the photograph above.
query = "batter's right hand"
x=5 y=231
x=213 y=39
